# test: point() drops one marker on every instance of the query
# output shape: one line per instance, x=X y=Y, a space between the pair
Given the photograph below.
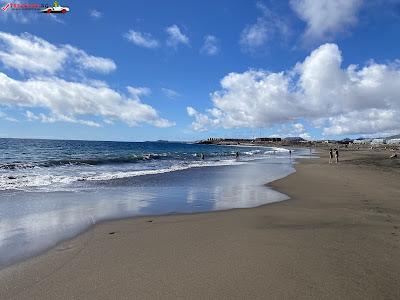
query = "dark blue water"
x=55 y=164
x=53 y=190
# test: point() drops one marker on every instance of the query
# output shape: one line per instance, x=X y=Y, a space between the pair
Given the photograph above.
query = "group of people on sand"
x=333 y=152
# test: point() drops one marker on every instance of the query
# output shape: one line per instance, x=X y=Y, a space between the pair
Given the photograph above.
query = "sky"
x=188 y=70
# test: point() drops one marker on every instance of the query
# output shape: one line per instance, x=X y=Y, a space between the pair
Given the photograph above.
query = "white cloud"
x=56 y=18
x=202 y=121
x=325 y=18
x=352 y=100
x=170 y=93
x=175 y=36
x=89 y=62
x=365 y=122
x=95 y=14
x=71 y=101
x=139 y=91
x=298 y=128
x=4 y=116
x=109 y=122
x=306 y=136
x=63 y=100
x=292 y=130
x=254 y=35
x=142 y=39
x=58 y=118
x=267 y=26
x=30 y=54
x=210 y=45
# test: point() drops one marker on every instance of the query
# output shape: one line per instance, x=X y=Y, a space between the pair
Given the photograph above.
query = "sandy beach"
x=338 y=237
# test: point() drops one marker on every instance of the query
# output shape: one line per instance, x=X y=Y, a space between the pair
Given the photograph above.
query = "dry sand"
x=337 y=238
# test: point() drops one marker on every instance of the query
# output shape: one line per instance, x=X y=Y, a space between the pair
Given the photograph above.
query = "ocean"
x=51 y=190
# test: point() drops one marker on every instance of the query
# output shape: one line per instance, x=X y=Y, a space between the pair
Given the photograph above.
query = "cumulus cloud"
x=267 y=26
x=325 y=18
x=201 y=121
x=27 y=53
x=299 y=130
x=210 y=45
x=142 y=39
x=71 y=101
x=95 y=14
x=90 y=102
x=352 y=100
x=369 y=121
x=175 y=36
x=170 y=93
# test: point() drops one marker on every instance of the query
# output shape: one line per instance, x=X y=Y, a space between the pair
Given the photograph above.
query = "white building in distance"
x=394 y=142
x=365 y=141
x=378 y=142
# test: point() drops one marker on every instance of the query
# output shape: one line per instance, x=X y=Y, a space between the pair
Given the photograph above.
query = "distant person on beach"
x=337 y=155
x=237 y=154
x=330 y=155
x=202 y=156
x=290 y=153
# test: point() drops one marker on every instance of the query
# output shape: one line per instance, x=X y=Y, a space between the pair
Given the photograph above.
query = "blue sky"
x=185 y=70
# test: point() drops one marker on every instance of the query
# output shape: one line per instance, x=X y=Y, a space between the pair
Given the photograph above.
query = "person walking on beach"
x=237 y=155
x=290 y=153
x=330 y=155
x=337 y=155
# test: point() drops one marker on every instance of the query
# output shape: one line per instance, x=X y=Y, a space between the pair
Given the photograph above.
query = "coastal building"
x=378 y=142
x=268 y=139
x=362 y=141
x=214 y=139
x=293 y=139
x=393 y=142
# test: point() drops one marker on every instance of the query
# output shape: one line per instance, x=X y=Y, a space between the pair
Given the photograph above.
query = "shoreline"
x=276 y=249
x=185 y=172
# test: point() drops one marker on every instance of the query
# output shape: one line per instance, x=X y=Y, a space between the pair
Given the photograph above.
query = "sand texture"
x=338 y=237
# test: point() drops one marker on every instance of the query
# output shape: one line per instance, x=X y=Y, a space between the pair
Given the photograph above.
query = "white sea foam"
x=24 y=181
x=60 y=177
x=252 y=152
x=278 y=149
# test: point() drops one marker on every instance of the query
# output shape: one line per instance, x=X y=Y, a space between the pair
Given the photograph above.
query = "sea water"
x=51 y=190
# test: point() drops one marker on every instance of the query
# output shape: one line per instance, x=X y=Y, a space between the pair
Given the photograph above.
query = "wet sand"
x=337 y=238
